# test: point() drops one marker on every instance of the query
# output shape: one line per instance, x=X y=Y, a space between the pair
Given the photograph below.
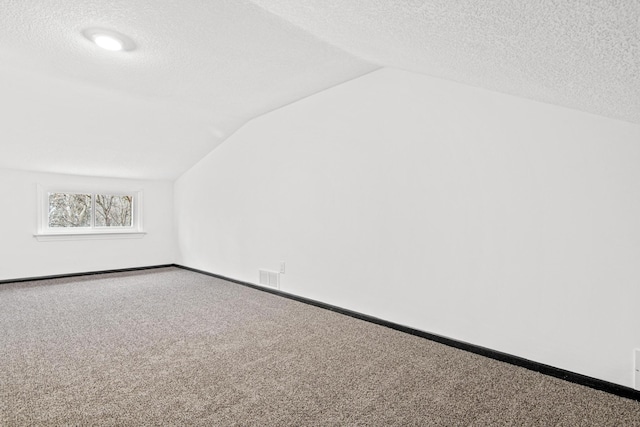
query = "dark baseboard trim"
x=573 y=377
x=89 y=273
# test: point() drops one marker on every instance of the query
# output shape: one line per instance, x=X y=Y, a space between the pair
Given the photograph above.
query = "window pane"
x=113 y=211
x=69 y=210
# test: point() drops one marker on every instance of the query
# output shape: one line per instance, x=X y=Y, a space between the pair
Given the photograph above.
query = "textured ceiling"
x=201 y=69
x=582 y=54
x=204 y=68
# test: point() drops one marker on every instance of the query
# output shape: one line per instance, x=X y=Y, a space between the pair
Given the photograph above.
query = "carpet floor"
x=173 y=347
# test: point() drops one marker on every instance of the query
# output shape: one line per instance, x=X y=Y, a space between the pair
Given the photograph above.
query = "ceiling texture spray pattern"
x=575 y=53
x=204 y=68
x=201 y=69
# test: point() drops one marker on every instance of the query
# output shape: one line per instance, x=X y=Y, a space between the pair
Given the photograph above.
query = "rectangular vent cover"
x=269 y=278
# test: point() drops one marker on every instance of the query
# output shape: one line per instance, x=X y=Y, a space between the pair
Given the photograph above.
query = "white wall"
x=21 y=255
x=479 y=216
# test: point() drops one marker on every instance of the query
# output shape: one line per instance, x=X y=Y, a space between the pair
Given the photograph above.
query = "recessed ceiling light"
x=109 y=40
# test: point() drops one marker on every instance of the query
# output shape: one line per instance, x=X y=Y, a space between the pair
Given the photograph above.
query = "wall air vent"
x=269 y=278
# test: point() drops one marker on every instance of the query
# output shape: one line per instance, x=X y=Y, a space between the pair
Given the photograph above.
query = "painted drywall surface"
x=490 y=219
x=22 y=255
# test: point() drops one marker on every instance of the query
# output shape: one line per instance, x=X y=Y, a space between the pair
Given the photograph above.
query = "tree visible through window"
x=71 y=210
x=113 y=211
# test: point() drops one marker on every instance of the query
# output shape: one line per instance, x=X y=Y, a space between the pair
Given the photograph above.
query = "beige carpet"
x=173 y=347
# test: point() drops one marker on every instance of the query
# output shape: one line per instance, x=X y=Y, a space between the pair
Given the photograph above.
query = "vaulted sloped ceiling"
x=203 y=68
x=582 y=54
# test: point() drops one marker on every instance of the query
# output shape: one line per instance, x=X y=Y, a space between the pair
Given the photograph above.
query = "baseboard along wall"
x=563 y=374
x=87 y=273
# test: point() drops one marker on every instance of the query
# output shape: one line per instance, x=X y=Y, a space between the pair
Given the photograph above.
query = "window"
x=73 y=214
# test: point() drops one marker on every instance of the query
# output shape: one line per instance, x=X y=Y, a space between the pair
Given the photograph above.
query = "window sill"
x=49 y=237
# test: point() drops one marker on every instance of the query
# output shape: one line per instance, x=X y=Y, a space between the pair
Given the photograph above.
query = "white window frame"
x=46 y=233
